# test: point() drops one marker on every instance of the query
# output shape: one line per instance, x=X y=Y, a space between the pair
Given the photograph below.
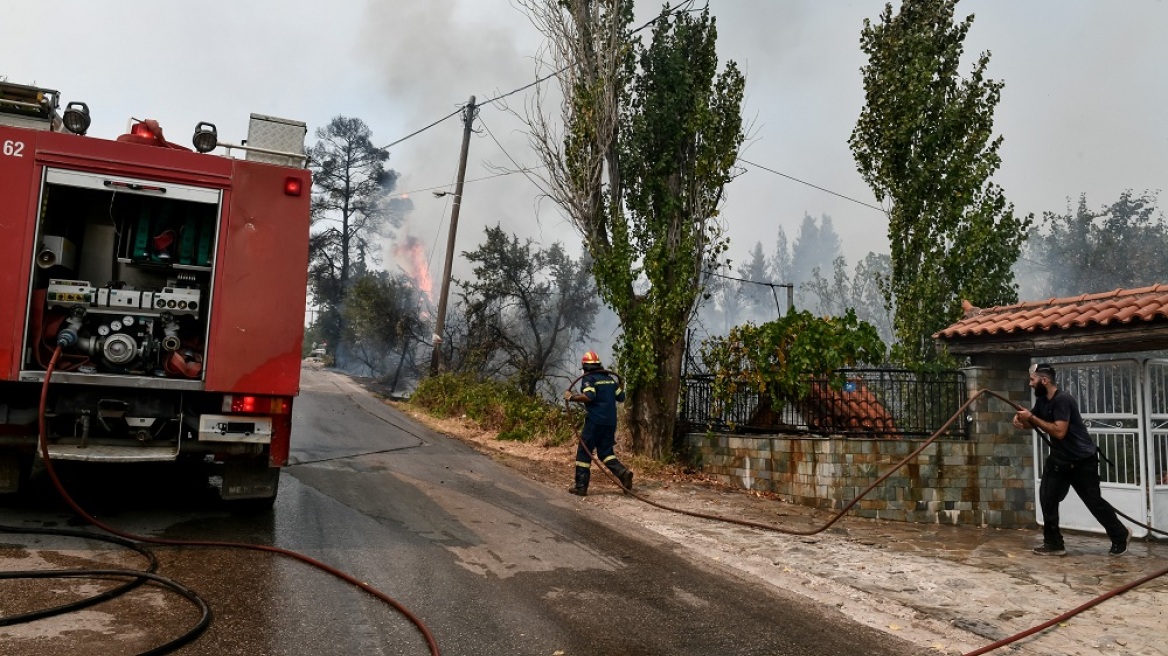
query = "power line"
x=417 y=132
x=833 y=193
x=754 y=282
x=485 y=177
x=685 y=7
x=518 y=168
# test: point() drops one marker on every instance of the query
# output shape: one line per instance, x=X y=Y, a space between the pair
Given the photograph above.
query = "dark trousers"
x=602 y=440
x=1059 y=476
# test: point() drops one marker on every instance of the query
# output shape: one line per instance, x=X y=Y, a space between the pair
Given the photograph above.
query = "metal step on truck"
x=172 y=281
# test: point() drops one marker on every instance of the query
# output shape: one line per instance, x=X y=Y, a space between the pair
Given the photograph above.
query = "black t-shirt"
x=1077 y=444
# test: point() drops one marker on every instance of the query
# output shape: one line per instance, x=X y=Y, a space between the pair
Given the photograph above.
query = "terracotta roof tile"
x=1144 y=304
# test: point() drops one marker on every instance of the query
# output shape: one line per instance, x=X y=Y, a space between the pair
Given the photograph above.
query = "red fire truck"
x=173 y=281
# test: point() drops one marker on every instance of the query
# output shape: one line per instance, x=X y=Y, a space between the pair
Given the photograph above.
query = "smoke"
x=426 y=59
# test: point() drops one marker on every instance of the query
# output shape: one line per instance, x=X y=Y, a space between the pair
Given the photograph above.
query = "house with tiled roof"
x=1104 y=347
x=1101 y=344
x=1124 y=320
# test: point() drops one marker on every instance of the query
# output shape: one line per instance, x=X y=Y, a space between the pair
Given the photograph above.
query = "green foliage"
x=499 y=407
x=923 y=144
x=679 y=140
x=527 y=306
x=350 y=184
x=779 y=357
x=1119 y=246
x=650 y=137
x=382 y=316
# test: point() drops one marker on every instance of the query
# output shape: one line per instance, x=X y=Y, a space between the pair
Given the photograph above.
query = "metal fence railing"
x=873 y=402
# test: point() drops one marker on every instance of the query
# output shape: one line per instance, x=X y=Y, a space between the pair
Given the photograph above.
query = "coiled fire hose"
x=44 y=450
x=839 y=515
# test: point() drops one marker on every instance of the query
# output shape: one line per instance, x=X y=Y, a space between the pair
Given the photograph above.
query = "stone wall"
x=987 y=480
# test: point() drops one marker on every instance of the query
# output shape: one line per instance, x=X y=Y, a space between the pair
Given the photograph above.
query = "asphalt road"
x=493 y=563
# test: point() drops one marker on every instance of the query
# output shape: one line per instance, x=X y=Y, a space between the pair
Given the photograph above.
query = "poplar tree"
x=650 y=137
x=924 y=143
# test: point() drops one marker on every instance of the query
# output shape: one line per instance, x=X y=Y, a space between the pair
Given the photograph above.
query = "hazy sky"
x=1084 y=109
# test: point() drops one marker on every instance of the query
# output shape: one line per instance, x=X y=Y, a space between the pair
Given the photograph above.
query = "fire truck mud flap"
x=249 y=480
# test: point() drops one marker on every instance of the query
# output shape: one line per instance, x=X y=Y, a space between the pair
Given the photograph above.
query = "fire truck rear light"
x=235 y=403
x=76 y=118
x=263 y=405
x=292 y=186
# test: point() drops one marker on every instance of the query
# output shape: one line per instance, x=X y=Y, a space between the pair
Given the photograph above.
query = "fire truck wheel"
x=15 y=471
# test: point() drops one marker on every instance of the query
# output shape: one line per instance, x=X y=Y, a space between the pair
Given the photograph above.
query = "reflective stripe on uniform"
x=586 y=465
x=589 y=389
x=612 y=457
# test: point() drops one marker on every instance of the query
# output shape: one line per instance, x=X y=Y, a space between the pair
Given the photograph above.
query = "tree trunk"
x=653 y=408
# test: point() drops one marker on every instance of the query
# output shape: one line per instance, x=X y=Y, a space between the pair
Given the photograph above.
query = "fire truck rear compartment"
x=121 y=280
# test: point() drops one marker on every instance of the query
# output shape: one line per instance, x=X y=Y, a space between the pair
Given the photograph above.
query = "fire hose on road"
x=138 y=576
x=839 y=515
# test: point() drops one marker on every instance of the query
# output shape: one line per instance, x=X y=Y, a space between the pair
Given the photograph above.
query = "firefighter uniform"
x=599 y=393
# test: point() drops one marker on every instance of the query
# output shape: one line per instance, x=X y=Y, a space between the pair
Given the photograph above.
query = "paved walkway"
x=948 y=589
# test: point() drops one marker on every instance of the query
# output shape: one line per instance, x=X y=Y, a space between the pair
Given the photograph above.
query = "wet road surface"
x=491 y=562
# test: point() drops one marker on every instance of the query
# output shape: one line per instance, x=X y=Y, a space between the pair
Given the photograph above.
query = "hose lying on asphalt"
x=44 y=449
x=839 y=515
x=86 y=602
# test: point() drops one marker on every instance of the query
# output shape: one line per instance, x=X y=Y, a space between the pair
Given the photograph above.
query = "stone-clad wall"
x=986 y=480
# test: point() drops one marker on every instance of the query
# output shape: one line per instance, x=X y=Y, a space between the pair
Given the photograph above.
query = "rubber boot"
x=623 y=474
x=580 y=488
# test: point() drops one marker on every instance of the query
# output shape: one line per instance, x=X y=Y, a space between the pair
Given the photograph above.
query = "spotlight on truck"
x=206 y=137
x=76 y=118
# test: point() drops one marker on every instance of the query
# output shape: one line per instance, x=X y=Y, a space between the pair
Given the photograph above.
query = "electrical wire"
x=685 y=7
x=813 y=186
x=485 y=177
x=420 y=131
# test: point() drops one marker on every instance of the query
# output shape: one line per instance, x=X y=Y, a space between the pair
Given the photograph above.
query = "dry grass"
x=550 y=464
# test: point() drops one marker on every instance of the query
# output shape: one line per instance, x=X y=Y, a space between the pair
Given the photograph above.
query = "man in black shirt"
x=1072 y=463
x=599 y=393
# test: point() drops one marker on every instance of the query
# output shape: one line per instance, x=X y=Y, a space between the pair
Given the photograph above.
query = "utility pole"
x=468 y=115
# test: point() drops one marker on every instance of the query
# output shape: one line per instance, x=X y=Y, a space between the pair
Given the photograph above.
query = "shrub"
x=499 y=407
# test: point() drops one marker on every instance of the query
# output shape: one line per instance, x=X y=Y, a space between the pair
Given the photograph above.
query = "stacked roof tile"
x=1122 y=306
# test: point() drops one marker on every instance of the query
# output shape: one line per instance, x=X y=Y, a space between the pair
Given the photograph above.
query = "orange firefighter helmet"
x=590 y=358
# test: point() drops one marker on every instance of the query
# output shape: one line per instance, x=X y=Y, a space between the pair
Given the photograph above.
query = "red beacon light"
x=140 y=129
x=292 y=186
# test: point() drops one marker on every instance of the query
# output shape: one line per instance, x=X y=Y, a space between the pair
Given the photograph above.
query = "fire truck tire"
x=15 y=470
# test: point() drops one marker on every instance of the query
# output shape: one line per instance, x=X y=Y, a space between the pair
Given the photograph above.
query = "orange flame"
x=412 y=258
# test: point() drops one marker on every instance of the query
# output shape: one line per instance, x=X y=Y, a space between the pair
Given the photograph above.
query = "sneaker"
x=626 y=479
x=578 y=491
x=1047 y=550
x=1120 y=548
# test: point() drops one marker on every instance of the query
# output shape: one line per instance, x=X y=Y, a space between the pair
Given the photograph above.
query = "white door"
x=1111 y=398
x=1156 y=406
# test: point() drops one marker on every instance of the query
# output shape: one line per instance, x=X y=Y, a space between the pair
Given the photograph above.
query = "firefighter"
x=599 y=393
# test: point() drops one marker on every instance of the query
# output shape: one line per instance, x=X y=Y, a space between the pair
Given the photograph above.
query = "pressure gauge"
x=127 y=321
x=115 y=325
x=103 y=330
